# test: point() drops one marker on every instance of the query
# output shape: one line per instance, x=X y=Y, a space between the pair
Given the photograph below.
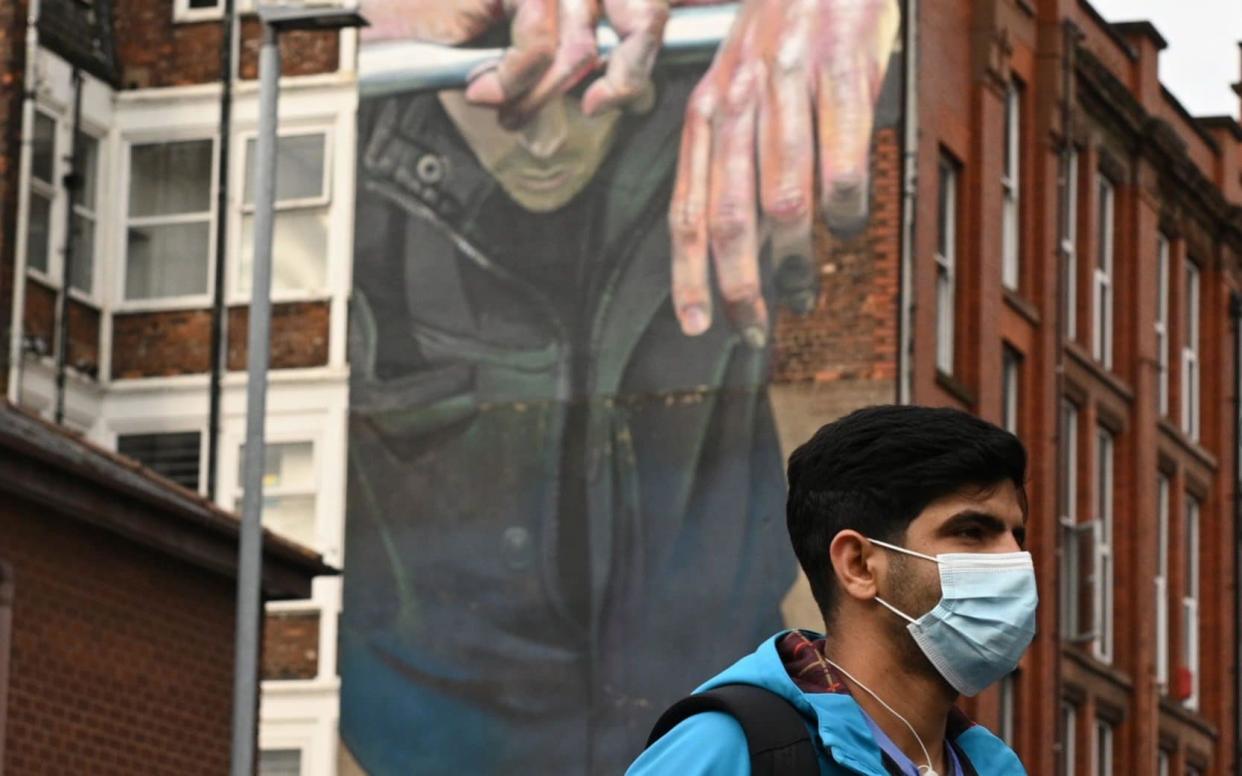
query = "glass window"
x=1078 y=540
x=176 y=456
x=1102 y=333
x=170 y=216
x=279 y=762
x=1068 y=735
x=1010 y=181
x=1162 y=326
x=1190 y=601
x=42 y=193
x=1190 y=354
x=289 y=490
x=1104 y=543
x=1008 y=707
x=1069 y=246
x=84 y=219
x=1162 y=581
x=946 y=266
x=300 y=233
x=1163 y=764
x=1011 y=381
x=1103 y=748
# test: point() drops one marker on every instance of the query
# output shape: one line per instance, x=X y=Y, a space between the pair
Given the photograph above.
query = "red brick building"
x=117 y=611
x=1071 y=269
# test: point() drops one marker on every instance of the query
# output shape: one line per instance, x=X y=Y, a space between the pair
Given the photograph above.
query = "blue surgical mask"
x=985 y=619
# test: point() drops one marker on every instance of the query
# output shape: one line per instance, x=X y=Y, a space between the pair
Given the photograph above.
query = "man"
x=909 y=523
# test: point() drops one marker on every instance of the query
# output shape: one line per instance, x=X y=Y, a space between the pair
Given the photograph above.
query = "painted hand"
x=792 y=88
x=553 y=47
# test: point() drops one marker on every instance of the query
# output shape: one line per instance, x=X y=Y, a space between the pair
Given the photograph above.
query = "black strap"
x=776 y=734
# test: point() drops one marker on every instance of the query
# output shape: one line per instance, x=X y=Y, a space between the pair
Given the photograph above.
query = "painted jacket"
x=549 y=486
x=713 y=744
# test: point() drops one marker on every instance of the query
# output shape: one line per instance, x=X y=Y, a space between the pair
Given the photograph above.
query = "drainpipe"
x=219 y=314
x=1235 y=312
x=909 y=200
x=30 y=86
x=72 y=183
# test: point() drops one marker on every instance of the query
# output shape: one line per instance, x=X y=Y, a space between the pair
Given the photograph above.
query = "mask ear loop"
x=924 y=770
x=903 y=550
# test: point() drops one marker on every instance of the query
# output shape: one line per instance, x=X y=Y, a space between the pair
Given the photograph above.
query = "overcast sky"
x=1202 y=60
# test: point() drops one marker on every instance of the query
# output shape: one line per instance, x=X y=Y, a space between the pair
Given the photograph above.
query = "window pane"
x=1009 y=390
x=276 y=762
x=292 y=517
x=170 y=178
x=1104 y=243
x=175 y=456
x=286 y=465
x=43 y=148
x=86 y=169
x=299 y=168
x=299 y=251
x=167 y=260
x=83 y=269
x=1068 y=734
x=38 y=232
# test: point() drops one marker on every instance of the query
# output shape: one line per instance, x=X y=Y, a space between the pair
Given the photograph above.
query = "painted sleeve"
x=707 y=744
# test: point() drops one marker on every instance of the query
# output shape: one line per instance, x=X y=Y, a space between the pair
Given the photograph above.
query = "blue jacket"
x=713 y=744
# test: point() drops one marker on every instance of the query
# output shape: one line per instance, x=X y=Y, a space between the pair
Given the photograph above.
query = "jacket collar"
x=839 y=720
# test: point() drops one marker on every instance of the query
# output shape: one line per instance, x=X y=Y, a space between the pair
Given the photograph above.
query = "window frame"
x=177 y=302
x=239 y=211
x=1011 y=181
x=1103 y=745
x=1191 y=343
x=311 y=489
x=1163 y=258
x=946 y=265
x=1072 y=532
x=1103 y=571
x=1191 y=635
x=1102 y=290
x=1164 y=496
x=1068 y=724
x=1011 y=389
x=80 y=210
x=48 y=191
x=1069 y=246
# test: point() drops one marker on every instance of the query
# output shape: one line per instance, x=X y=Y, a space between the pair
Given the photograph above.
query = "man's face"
x=973 y=520
x=547 y=162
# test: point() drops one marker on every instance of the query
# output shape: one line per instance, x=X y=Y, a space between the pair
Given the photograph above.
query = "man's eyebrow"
x=985 y=520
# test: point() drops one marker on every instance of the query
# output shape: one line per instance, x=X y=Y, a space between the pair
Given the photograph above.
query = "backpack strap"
x=776 y=734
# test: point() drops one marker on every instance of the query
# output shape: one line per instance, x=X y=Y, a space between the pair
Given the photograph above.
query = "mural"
x=566 y=494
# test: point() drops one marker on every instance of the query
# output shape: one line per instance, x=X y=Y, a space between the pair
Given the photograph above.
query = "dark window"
x=280 y=762
x=175 y=456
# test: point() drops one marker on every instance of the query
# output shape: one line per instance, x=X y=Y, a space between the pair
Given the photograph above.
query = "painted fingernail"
x=695 y=320
x=845 y=207
x=755 y=336
x=794 y=273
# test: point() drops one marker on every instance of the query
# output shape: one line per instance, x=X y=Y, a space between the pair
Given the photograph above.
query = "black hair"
x=875 y=470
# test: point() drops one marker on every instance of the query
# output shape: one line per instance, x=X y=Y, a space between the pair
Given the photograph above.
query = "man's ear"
x=854 y=561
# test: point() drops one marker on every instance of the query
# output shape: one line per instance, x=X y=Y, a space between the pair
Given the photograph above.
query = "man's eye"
x=971 y=533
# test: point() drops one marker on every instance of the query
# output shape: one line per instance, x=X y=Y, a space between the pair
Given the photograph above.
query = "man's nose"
x=547 y=131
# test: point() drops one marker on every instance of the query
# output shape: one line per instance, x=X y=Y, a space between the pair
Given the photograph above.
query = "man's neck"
x=924 y=701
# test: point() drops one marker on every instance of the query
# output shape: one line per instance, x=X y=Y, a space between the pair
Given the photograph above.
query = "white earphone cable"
x=925 y=770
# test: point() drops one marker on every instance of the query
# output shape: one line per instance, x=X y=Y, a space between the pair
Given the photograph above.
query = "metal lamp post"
x=250 y=556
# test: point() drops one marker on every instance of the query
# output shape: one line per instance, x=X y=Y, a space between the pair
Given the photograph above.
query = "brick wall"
x=852 y=332
x=291 y=645
x=122 y=660
x=39 y=321
x=12 y=78
x=155 y=52
x=178 y=342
